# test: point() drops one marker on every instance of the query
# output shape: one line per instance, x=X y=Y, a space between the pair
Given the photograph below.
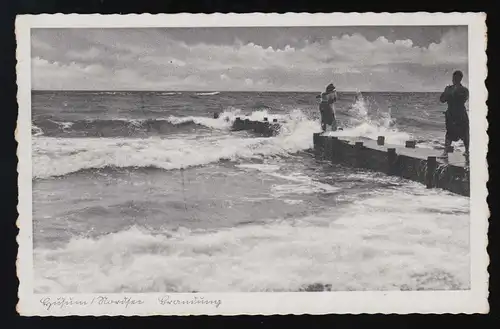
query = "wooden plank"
x=419 y=164
x=455 y=158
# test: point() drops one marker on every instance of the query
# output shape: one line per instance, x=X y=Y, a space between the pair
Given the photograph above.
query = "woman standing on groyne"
x=326 y=108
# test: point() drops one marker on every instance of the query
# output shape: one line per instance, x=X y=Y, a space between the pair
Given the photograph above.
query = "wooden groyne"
x=264 y=128
x=422 y=165
x=417 y=164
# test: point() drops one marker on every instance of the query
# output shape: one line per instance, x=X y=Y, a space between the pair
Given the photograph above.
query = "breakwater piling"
x=410 y=162
x=264 y=128
x=407 y=161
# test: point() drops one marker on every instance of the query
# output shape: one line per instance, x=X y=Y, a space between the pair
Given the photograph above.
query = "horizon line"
x=229 y=91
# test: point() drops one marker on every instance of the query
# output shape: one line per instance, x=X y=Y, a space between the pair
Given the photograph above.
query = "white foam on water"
x=170 y=93
x=224 y=122
x=66 y=125
x=36 y=131
x=363 y=123
x=60 y=156
x=256 y=199
x=259 y=166
x=303 y=185
x=386 y=242
x=208 y=93
x=292 y=202
x=371 y=131
x=227 y=117
x=458 y=145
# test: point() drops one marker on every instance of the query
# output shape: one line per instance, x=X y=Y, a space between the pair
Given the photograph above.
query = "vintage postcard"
x=231 y=164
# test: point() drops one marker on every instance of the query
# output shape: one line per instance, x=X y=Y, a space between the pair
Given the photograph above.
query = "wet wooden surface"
x=456 y=158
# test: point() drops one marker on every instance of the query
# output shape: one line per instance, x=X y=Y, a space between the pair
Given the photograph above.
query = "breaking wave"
x=128 y=127
x=355 y=249
x=208 y=93
x=61 y=156
x=365 y=120
x=36 y=131
x=170 y=93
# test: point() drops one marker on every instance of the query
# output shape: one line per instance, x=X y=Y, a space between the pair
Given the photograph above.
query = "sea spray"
x=366 y=120
x=130 y=127
x=57 y=157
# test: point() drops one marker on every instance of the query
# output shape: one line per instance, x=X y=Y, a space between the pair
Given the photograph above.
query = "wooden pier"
x=407 y=161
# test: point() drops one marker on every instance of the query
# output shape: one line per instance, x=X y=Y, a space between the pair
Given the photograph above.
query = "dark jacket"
x=456 y=118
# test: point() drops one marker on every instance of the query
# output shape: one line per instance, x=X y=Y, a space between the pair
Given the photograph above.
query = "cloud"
x=140 y=60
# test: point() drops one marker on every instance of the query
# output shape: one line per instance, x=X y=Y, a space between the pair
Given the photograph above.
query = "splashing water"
x=367 y=120
x=56 y=157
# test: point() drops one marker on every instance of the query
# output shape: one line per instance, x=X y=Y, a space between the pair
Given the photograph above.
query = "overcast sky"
x=216 y=59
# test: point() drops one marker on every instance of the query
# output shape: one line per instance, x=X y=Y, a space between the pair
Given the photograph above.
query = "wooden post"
x=266 y=130
x=334 y=148
x=257 y=127
x=246 y=124
x=431 y=169
x=380 y=140
x=410 y=144
x=338 y=150
x=316 y=140
x=238 y=123
x=391 y=161
x=358 y=146
x=327 y=150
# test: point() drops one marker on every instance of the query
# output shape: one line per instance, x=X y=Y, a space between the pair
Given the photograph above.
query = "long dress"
x=327 y=113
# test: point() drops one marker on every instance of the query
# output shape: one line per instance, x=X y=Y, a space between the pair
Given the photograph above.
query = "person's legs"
x=447 y=139
x=334 y=122
x=466 y=135
x=466 y=144
x=447 y=143
x=322 y=117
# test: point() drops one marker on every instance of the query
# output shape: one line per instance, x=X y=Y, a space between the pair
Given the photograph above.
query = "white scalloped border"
x=355 y=302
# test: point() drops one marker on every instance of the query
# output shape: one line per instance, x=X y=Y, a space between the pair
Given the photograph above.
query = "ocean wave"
x=300 y=183
x=111 y=127
x=368 y=121
x=213 y=93
x=374 y=244
x=61 y=156
x=170 y=93
x=128 y=127
x=422 y=122
x=35 y=130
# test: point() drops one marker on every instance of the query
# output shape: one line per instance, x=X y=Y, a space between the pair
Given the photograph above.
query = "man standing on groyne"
x=457 y=120
x=326 y=108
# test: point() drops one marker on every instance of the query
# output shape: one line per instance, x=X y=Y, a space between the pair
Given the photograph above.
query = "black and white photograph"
x=199 y=160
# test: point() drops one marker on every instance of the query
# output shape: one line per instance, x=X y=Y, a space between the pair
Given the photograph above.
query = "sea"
x=138 y=191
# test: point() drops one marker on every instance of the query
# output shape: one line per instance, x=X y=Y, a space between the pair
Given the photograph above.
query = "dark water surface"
x=145 y=191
